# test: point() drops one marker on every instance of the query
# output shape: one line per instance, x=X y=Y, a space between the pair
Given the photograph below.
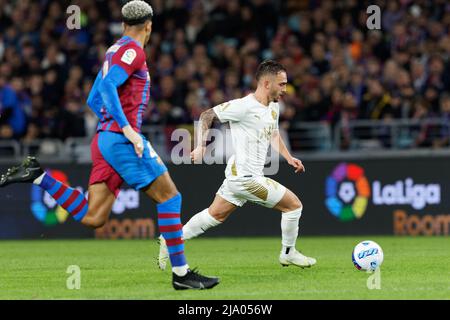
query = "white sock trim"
x=39 y=179
x=198 y=224
x=294 y=214
x=211 y=220
x=180 y=271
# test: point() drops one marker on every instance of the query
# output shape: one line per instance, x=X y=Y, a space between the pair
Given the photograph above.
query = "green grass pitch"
x=413 y=268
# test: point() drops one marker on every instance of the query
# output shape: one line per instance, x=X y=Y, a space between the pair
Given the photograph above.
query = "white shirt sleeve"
x=230 y=111
x=277 y=110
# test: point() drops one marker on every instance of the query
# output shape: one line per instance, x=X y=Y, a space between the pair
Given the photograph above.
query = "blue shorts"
x=119 y=152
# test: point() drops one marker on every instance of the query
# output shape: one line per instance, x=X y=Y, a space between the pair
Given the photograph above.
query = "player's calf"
x=292 y=209
x=210 y=217
x=170 y=226
x=101 y=201
x=195 y=227
x=199 y=223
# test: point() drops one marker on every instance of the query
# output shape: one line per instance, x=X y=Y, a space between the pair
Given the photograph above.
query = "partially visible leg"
x=72 y=200
x=104 y=187
x=291 y=209
x=218 y=212
x=269 y=193
x=150 y=175
x=100 y=202
x=30 y=171
x=93 y=212
x=221 y=208
x=162 y=189
x=164 y=192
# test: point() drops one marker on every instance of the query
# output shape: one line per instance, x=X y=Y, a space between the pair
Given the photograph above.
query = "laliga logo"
x=44 y=207
x=347 y=192
x=401 y=193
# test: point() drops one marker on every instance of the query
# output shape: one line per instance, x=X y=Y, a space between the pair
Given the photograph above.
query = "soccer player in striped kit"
x=120 y=152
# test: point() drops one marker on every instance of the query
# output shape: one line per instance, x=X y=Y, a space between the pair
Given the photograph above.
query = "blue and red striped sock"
x=172 y=231
x=72 y=200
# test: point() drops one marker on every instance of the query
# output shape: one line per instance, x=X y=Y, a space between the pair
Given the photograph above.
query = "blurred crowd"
x=205 y=52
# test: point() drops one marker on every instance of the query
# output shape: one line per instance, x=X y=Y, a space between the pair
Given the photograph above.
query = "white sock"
x=38 y=180
x=198 y=224
x=289 y=229
x=180 y=271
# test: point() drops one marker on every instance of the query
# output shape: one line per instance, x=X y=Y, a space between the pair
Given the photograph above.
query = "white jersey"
x=252 y=125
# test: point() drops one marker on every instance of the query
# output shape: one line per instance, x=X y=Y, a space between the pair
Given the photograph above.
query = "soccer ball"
x=367 y=255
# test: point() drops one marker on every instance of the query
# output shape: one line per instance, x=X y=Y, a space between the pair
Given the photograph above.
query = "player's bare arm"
x=279 y=145
x=135 y=139
x=206 y=119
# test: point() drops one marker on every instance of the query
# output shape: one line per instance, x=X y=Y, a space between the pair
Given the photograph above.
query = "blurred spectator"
x=422 y=111
x=202 y=53
x=71 y=121
x=376 y=102
x=12 y=114
x=443 y=138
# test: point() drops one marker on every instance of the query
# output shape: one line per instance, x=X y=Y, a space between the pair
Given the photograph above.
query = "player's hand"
x=197 y=154
x=297 y=164
x=135 y=139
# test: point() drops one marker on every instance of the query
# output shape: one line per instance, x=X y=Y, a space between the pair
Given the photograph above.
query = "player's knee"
x=162 y=189
x=294 y=204
x=167 y=195
x=297 y=204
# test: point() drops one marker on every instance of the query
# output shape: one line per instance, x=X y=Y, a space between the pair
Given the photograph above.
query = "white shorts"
x=260 y=190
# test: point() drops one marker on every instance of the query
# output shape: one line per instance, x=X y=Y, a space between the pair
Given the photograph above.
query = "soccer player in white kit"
x=254 y=127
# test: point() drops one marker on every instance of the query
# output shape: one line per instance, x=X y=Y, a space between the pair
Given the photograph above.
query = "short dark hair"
x=269 y=67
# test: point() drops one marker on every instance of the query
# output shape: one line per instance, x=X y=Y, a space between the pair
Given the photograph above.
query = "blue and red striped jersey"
x=135 y=92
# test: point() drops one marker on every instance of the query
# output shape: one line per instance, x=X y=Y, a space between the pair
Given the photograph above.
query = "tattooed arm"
x=230 y=111
x=206 y=119
x=204 y=124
